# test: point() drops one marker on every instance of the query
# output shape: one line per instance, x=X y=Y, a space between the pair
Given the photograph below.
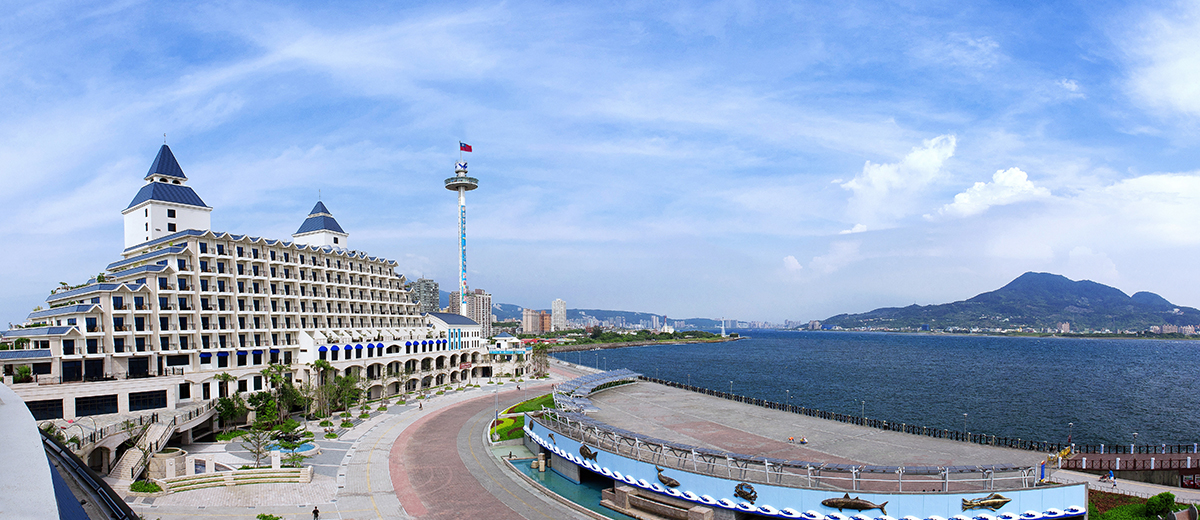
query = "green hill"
x=1034 y=300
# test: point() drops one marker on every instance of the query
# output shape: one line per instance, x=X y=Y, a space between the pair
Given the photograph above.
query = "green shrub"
x=330 y=435
x=347 y=424
x=439 y=392
x=1126 y=512
x=344 y=415
x=264 y=516
x=383 y=408
x=307 y=435
x=145 y=486
x=229 y=436
x=364 y=415
x=401 y=401
x=1160 y=504
x=326 y=423
x=287 y=425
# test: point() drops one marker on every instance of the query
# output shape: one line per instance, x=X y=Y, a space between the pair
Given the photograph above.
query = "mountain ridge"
x=1034 y=301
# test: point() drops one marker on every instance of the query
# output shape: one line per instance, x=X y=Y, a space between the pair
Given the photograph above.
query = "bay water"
x=1018 y=387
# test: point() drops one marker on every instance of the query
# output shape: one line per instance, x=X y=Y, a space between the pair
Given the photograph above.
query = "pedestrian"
x=316 y=513
x=420 y=406
x=791 y=440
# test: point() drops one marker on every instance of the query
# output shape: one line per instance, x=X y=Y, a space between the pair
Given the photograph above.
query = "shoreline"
x=605 y=346
x=1069 y=335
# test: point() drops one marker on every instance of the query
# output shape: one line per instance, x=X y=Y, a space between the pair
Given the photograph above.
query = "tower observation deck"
x=462 y=184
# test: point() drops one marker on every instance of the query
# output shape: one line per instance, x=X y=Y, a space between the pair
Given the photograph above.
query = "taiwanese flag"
x=464 y=147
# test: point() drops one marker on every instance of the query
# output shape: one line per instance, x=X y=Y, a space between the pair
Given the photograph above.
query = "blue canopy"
x=222 y=354
x=356 y=347
x=205 y=354
x=242 y=352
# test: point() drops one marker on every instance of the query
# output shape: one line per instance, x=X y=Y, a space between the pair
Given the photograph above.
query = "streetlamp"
x=496 y=405
x=1134 y=445
x=863 y=412
x=964 y=423
x=1070 y=430
x=731 y=388
x=689 y=380
x=605 y=363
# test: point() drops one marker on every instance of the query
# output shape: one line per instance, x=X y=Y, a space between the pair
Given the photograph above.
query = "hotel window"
x=68 y=347
x=170 y=213
x=222 y=361
x=257 y=361
x=203 y=247
x=164 y=343
x=241 y=384
x=285 y=257
x=240 y=252
x=220 y=251
x=254 y=252
x=171 y=226
x=257 y=379
x=272 y=255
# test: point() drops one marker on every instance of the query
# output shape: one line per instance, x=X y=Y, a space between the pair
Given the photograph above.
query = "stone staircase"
x=131 y=463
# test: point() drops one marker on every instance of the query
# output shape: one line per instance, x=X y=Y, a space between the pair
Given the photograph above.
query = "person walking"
x=316 y=513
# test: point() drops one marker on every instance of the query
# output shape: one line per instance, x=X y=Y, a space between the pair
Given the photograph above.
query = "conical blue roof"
x=319 y=220
x=165 y=165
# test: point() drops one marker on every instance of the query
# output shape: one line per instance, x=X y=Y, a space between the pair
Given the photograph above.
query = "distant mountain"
x=1034 y=300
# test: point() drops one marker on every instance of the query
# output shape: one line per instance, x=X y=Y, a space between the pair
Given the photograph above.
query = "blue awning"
x=222 y=354
x=335 y=348
x=274 y=351
x=356 y=347
x=241 y=352
x=408 y=343
x=423 y=342
x=205 y=354
x=370 y=346
x=323 y=349
x=257 y=351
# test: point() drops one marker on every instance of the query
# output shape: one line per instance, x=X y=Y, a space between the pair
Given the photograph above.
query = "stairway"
x=130 y=465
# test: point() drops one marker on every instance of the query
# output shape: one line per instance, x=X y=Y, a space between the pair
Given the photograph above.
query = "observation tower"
x=462 y=184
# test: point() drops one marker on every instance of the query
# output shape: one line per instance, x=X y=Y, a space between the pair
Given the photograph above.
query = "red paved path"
x=429 y=476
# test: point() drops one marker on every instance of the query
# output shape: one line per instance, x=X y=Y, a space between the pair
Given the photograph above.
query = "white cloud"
x=885 y=192
x=858 y=228
x=962 y=50
x=791 y=264
x=1069 y=84
x=1007 y=187
x=1165 y=68
x=840 y=255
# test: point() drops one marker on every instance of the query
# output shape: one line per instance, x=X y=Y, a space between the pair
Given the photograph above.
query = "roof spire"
x=165 y=165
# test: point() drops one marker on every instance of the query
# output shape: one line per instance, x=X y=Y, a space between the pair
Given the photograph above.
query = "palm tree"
x=322 y=367
x=274 y=373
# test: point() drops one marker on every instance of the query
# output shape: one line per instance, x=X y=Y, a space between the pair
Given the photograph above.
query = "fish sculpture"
x=745 y=491
x=587 y=452
x=667 y=481
x=852 y=503
x=551 y=435
x=993 y=501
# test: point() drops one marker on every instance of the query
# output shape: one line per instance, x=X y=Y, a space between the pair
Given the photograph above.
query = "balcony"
x=142 y=307
x=122 y=307
x=95 y=328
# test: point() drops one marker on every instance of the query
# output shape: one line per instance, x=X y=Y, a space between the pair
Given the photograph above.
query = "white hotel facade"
x=185 y=303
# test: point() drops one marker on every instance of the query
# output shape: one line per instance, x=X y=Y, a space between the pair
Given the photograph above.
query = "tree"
x=258 y=443
x=24 y=374
x=230 y=408
x=265 y=409
x=541 y=361
x=274 y=374
x=321 y=392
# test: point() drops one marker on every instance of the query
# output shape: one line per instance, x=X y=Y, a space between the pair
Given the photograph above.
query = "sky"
x=750 y=160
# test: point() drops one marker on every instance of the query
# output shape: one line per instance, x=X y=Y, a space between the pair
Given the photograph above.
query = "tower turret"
x=165 y=205
x=321 y=229
x=462 y=184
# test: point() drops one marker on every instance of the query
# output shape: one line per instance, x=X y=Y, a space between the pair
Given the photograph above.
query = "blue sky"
x=751 y=160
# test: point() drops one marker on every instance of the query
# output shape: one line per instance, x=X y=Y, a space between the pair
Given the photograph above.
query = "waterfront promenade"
x=435 y=463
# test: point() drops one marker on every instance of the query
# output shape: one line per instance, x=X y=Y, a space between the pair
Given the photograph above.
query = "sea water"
x=1017 y=387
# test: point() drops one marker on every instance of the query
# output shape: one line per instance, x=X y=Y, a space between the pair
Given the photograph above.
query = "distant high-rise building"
x=546 y=322
x=427 y=295
x=531 y=322
x=455 y=306
x=654 y=324
x=558 y=315
x=479 y=308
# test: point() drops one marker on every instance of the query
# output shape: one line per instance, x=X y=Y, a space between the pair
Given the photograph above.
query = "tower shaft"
x=462 y=241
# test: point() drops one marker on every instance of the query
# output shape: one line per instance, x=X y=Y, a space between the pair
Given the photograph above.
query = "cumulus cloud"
x=1007 y=187
x=858 y=228
x=885 y=192
x=1069 y=84
x=791 y=264
x=1165 y=68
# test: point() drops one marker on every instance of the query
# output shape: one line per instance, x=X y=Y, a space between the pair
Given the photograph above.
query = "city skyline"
x=736 y=159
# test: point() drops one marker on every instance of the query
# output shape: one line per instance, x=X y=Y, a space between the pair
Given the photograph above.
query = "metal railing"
x=783 y=472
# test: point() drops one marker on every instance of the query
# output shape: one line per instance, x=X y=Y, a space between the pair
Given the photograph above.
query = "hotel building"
x=185 y=303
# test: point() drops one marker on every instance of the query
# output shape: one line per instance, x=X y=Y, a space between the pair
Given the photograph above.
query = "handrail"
x=115 y=507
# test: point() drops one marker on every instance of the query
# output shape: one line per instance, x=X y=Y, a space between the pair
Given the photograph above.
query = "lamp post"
x=964 y=424
x=1132 y=447
x=689 y=380
x=605 y=363
x=731 y=388
x=1070 y=430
